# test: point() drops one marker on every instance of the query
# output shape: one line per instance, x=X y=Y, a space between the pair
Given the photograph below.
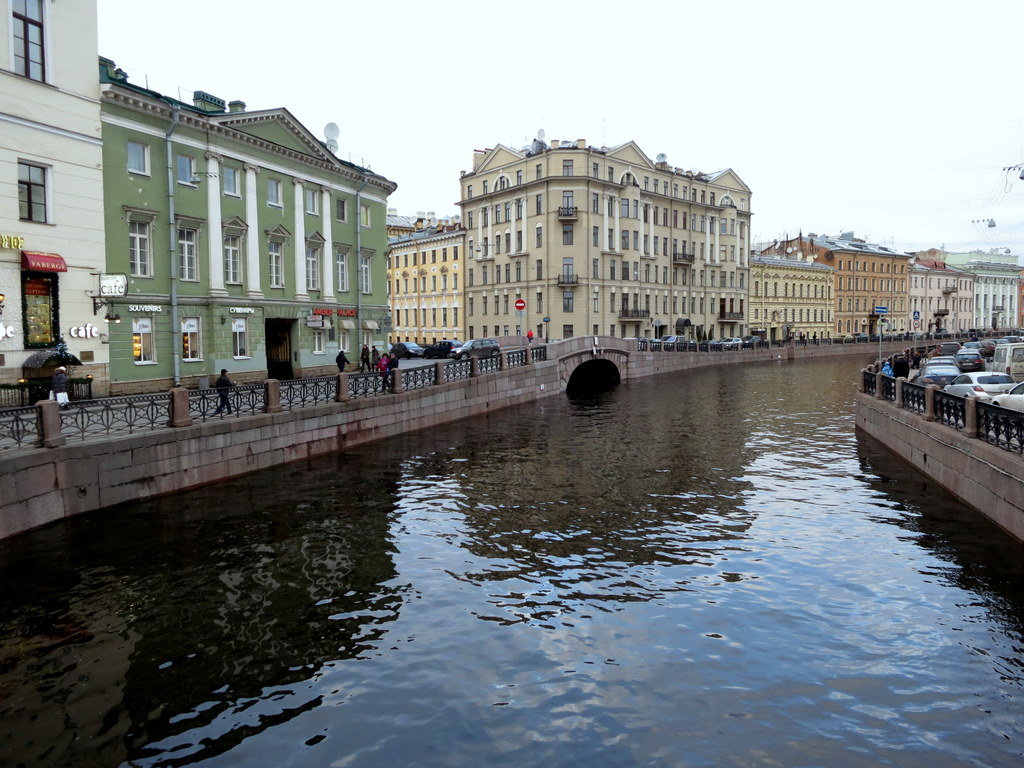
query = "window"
x=138 y=158
x=312 y=268
x=312 y=201
x=365 y=283
x=188 y=265
x=540 y=205
x=519 y=177
x=597 y=237
x=274 y=193
x=27 y=39
x=540 y=236
x=229 y=180
x=341 y=268
x=567 y=301
x=187 y=170
x=341 y=209
x=143 y=350
x=239 y=346
x=566 y=234
x=232 y=260
x=275 y=265
x=567 y=332
x=39 y=304
x=364 y=215
x=190 y=347
x=31 y=192
x=538 y=170
x=318 y=342
x=139 y=262
x=567 y=167
x=486 y=189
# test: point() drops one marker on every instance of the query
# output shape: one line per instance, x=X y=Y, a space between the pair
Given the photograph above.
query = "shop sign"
x=88 y=331
x=347 y=312
x=11 y=241
x=6 y=331
x=315 y=321
x=145 y=308
x=319 y=311
x=113 y=285
x=242 y=310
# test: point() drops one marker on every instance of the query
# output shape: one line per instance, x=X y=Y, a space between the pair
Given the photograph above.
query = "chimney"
x=581 y=143
x=555 y=143
x=236 y=106
x=207 y=102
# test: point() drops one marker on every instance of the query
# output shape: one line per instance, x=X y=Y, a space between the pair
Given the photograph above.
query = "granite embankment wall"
x=984 y=476
x=41 y=485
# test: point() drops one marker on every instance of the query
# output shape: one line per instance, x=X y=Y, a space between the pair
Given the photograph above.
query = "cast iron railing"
x=19 y=427
x=949 y=409
x=366 y=385
x=516 y=358
x=539 y=354
x=913 y=397
x=869 y=382
x=490 y=364
x=110 y=415
x=889 y=389
x=298 y=393
x=419 y=378
x=457 y=370
x=1002 y=427
x=244 y=399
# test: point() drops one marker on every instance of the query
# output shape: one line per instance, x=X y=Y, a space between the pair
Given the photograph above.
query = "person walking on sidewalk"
x=341 y=360
x=222 y=385
x=59 y=386
x=364 y=359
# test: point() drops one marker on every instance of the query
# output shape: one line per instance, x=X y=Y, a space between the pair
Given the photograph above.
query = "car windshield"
x=940 y=370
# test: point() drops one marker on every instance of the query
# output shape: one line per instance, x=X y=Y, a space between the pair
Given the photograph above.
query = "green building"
x=246 y=243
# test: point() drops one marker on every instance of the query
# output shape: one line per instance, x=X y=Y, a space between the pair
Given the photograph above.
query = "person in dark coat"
x=59 y=386
x=392 y=367
x=341 y=360
x=374 y=356
x=901 y=367
x=222 y=385
x=364 y=359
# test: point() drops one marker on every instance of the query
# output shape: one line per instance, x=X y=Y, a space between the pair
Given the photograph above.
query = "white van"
x=1008 y=359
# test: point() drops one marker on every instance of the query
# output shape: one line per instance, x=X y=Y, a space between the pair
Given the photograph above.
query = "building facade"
x=246 y=243
x=996 y=292
x=602 y=241
x=870 y=286
x=51 y=191
x=791 y=298
x=940 y=297
x=424 y=282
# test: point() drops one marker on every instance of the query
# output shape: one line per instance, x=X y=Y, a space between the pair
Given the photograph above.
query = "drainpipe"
x=359 y=258
x=172 y=249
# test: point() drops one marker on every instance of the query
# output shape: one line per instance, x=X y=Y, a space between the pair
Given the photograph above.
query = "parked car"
x=406 y=350
x=982 y=384
x=751 y=341
x=860 y=337
x=478 y=348
x=987 y=348
x=732 y=342
x=946 y=348
x=1009 y=359
x=1011 y=398
x=969 y=360
x=944 y=360
x=440 y=350
x=937 y=374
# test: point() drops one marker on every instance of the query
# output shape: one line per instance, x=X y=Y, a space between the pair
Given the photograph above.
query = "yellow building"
x=424 y=282
x=790 y=298
x=602 y=241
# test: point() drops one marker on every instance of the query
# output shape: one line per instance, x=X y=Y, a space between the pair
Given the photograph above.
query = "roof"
x=771 y=260
x=855 y=246
x=427 y=234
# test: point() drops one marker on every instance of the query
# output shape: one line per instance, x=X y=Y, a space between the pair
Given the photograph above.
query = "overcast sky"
x=892 y=119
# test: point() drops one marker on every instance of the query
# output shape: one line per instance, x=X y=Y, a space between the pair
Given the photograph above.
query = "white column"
x=618 y=232
x=604 y=235
x=328 y=255
x=526 y=243
x=479 y=229
x=252 y=234
x=718 y=242
x=215 y=265
x=300 y=242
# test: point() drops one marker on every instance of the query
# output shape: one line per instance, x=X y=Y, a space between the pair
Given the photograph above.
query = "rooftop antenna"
x=331 y=133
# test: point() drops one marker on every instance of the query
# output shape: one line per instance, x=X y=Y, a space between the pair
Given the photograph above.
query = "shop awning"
x=43 y=262
x=370 y=325
x=348 y=325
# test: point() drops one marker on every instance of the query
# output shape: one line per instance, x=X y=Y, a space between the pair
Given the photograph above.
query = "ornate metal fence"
x=489 y=364
x=516 y=358
x=1002 y=427
x=365 y=385
x=869 y=382
x=130 y=413
x=949 y=409
x=298 y=393
x=19 y=427
x=456 y=370
x=246 y=399
x=889 y=389
x=419 y=378
x=539 y=354
x=913 y=397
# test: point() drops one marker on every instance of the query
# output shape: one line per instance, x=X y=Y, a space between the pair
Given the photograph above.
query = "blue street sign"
x=881 y=310
x=547 y=319
x=917 y=315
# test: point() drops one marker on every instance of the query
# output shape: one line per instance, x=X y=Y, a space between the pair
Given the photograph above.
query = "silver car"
x=980 y=384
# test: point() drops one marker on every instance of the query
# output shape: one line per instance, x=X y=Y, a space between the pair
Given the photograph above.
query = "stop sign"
x=520 y=303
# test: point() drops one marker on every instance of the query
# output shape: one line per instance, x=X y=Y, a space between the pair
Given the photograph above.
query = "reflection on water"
x=703 y=569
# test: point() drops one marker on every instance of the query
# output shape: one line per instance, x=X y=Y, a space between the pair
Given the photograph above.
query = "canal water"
x=700 y=569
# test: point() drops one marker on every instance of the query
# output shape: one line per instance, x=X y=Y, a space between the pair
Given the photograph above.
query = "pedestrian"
x=374 y=356
x=901 y=367
x=59 y=387
x=915 y=359
x=392 y=367
x=382 y=366
x=886 y=369
x=364 y=359
x=222 y=385
x=341 y=360
x=529 y=337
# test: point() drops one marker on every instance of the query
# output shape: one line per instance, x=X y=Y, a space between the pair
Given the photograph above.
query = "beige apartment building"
x=791 y=298
x=424 y=282
x=606 y=241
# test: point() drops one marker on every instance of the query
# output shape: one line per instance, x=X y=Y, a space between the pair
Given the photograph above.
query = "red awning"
x=43 y=262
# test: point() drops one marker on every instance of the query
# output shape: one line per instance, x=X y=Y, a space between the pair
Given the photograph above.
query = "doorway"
x=279 y=348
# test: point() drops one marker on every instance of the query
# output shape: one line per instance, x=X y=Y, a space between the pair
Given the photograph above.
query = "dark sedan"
x=937 y=374
x=968 y=360
x=441 y=350
x=406 y=350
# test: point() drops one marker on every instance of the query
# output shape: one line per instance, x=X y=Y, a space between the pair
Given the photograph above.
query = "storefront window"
x=40 y=307
x=238 y=342
x=190 y=347
x=142 y=340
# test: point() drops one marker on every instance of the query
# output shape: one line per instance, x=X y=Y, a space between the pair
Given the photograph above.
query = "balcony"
x=567 y=212
x=948 y=290
x=568 y=278
x=941 y=312
x=730 y=315
x=634 y=314
x=682 y=258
